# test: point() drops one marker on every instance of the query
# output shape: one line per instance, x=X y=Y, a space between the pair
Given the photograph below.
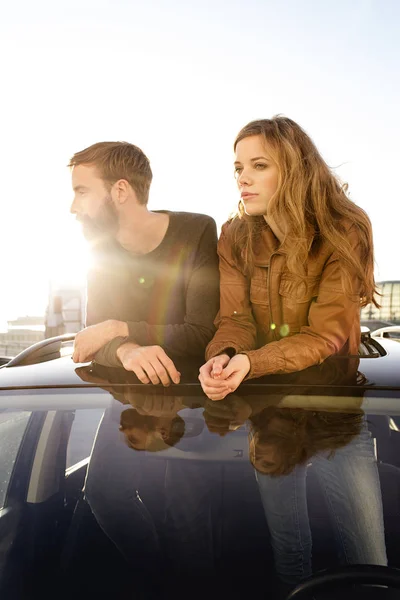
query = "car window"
x=12 y=429
x=83 y=432
x=393 y=335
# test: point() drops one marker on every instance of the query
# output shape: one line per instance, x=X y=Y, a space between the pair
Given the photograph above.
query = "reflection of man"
x=153 y=289
x=154 y=423
x=150 y=433
x=120 y=478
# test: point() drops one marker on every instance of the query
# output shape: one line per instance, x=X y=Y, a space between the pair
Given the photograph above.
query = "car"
x=392 y=332
x=4 y=360
x=110 y=488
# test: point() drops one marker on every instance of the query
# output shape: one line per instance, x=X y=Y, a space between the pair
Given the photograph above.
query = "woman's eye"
x=260 y=166
x=238 y=170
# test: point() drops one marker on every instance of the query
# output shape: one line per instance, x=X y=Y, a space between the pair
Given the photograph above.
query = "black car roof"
x=49 y=364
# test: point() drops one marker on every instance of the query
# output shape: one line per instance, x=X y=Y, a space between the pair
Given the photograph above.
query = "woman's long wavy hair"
x=293 y=436
x=312 y=203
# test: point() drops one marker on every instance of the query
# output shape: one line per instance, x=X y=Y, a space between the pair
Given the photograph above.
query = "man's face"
x=92 y=203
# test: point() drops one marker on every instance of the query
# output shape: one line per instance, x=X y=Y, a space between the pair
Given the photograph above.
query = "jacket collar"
x=268 y=244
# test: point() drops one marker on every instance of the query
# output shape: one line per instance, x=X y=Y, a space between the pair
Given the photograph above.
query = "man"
x=152 y=296
x=153 y=290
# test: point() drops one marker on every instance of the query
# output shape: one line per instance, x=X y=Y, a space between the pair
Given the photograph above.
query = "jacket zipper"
x=270 y=297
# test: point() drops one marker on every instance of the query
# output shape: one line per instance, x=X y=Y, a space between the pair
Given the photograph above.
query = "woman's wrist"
x=247 y=362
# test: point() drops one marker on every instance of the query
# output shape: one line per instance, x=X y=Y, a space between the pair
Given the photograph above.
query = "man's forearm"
x=117 y=332
x=117 y=329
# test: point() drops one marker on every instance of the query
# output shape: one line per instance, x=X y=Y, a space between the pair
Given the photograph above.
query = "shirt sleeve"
x=236 y=328
x=202 y=298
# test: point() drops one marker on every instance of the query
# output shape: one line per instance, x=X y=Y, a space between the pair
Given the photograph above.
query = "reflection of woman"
x=296 y=262
x=338 y=448
x=284 y=438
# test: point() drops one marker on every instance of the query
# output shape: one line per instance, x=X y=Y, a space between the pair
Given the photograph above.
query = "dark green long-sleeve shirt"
x=168 y=297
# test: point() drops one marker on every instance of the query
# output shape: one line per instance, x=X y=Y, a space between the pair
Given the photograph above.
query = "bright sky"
x=179 y=79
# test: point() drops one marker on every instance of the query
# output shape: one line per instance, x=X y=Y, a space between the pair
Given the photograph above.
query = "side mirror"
x=365 y=333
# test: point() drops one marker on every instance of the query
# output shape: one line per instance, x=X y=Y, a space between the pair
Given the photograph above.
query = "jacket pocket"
x=298 y=291
x=296 y=298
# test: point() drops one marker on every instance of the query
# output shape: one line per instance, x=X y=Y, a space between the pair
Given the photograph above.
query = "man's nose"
x=74 y=207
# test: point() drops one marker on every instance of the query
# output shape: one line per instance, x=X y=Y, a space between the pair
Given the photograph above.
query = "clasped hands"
x=222 y=375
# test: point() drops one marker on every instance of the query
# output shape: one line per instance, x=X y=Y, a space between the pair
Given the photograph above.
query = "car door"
x=33 y=447
x=19 y=433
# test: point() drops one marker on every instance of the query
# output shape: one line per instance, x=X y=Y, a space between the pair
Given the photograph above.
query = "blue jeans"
x=351 y=488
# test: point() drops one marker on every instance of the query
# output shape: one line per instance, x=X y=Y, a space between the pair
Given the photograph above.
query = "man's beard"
x=104 y=225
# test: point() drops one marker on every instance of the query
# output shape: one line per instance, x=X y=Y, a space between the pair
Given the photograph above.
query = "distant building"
x=65 y=311
x=21 y=333
x=27 y=322
x=65 y=314
x=389 y=313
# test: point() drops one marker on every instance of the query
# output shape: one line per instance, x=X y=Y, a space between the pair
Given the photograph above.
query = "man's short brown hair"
x=118 y=160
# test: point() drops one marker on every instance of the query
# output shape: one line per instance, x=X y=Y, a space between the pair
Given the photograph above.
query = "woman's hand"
x=222 y=375
x=209 y=377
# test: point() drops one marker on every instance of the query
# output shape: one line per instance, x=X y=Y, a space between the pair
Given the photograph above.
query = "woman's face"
x=256 y=175
x=264 y=456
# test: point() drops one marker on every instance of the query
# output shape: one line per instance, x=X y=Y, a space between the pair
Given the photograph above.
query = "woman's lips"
x=247 y=195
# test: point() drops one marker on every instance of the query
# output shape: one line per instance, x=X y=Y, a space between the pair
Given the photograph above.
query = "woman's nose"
x=244 y=178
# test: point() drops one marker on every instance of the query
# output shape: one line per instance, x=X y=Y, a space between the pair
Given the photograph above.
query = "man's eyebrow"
x=79 y=188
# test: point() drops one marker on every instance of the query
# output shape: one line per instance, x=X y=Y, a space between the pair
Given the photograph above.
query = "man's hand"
x=221 y=375
x=90 y=340
x=149 y=363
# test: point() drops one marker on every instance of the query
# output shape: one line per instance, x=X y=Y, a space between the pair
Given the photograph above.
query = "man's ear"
x=121 y=191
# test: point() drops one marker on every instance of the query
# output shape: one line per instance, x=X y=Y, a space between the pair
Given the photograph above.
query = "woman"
x=296 y=262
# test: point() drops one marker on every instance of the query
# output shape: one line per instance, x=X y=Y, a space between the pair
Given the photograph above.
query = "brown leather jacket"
x=280 y=324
